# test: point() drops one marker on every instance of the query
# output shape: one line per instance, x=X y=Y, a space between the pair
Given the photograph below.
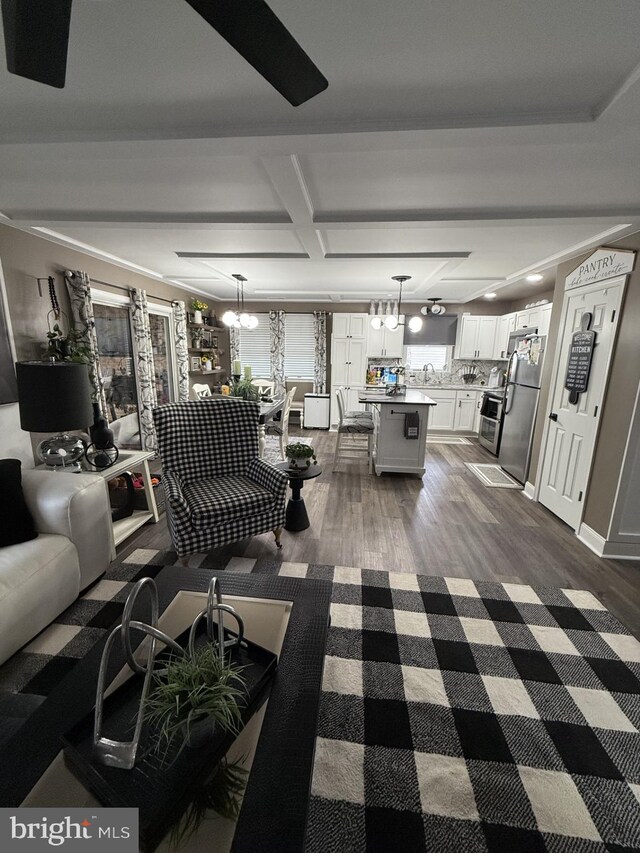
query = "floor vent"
x=447 y=439
x=493 y=476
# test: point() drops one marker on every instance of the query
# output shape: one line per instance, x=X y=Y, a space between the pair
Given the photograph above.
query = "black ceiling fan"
x=36 y=36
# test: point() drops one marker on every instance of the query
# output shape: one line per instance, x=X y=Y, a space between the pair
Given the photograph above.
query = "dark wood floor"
x=448 y=524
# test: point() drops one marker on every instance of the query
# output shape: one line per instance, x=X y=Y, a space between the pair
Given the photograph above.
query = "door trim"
x=557 y=356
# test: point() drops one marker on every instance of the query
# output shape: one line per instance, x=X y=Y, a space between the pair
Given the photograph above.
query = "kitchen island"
x=394 y=451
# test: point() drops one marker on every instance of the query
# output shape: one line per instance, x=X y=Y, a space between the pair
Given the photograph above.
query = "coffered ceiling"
x=465 y=144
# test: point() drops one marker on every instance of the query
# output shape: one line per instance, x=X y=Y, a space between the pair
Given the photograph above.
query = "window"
x=160 y=324
x=255 y=348
x=299 y=346
x=436 y=354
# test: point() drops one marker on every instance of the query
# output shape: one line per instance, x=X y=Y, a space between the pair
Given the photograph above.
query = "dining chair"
x=217 y=489
x=264 y=386
x=201 y=390
x=348 y=428
x=281 y=427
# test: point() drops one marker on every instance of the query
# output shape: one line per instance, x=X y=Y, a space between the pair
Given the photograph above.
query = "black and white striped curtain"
x=320 y=362
x=79 y=287
x=182 y=351
x=145 y=369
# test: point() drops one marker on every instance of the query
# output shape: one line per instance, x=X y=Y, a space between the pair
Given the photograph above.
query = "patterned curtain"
x=276 y=330
x=145 y=370
x=84 y=323
x=234 y=345
x=320 y=366
x=182 y=352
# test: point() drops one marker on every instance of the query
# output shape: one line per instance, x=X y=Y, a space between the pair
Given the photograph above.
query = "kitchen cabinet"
x=528 y=319
x=545 y=319
x=465 y=411
x=441 y=416
x=476 y=336
x=348 y=361
x=506 y=325
x=384 y=343
x=350 y=325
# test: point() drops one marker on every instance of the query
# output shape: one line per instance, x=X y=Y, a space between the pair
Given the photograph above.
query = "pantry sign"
x=602 y=264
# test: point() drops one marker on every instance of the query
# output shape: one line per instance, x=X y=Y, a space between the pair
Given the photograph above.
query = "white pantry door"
x=572 y=428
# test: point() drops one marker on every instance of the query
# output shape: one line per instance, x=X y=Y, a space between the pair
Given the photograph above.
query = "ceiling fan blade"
x=36 y=37
x=260 y=37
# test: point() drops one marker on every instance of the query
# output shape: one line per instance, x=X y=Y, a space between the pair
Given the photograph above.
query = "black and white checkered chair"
x=217 y=489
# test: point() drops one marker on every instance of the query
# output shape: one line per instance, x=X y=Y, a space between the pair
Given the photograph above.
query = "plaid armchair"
x=217 y=489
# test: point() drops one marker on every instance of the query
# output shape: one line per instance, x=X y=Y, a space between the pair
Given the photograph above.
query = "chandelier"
x=392 y=321
x=239 y=319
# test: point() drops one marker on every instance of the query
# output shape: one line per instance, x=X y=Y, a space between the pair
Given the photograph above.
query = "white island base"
x=393 y=452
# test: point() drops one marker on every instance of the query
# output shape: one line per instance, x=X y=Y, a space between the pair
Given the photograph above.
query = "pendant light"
x=240 y=319
x=391 y=320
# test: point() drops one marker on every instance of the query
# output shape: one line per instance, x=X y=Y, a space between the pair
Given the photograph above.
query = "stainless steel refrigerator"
x=521 y=402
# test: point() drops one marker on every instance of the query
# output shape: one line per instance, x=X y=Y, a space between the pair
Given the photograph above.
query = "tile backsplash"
x=454 y=371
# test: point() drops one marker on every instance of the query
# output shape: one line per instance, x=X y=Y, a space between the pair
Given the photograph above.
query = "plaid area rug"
x=455 y=715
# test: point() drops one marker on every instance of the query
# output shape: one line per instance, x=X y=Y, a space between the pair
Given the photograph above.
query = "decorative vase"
x=299 y=463
x=101 y=435
x=207 y=365
x=197 y=316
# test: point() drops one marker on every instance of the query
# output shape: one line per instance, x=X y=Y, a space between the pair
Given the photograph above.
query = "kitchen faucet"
x=425 y=370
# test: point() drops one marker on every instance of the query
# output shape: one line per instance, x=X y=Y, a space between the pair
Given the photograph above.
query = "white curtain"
x=145 y=369
x=79 y=287
x=182 y=351
x=320 y=363
x=276 y=331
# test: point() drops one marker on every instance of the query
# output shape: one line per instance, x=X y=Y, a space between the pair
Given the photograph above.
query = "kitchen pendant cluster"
x=239 y=319
x=392 y=321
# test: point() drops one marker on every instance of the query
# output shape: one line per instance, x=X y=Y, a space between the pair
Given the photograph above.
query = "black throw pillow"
x=16 y=521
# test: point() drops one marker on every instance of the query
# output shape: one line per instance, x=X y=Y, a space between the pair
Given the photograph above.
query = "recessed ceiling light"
x=490 y=295
x=534 y=278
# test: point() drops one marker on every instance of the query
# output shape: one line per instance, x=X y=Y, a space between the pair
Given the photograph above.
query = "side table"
x=297 y=518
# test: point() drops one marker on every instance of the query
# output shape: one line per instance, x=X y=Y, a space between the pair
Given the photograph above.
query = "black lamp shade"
x=53 y=396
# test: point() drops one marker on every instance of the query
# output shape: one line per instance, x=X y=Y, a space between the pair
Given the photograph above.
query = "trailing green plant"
x=197 y=305
x=69 y=346
x=245 y=389
x=222 y=793
x=298 y=450
x=190 y=690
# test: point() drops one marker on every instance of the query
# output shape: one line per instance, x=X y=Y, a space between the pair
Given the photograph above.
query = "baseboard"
x=529 y=490
x=605 y=548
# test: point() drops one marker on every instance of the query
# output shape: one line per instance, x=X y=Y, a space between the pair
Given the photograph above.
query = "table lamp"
x=55 y=396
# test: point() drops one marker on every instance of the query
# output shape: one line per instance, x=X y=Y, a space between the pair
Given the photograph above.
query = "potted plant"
x=196 y=338
x=206 y=360
x=193 y=696
x=246 y=390
x=198 y=308
x=300 y=455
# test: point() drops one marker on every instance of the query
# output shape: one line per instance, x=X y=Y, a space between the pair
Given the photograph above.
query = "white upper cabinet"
x=528 y=319
x=350 y=325
x=506 y=325
x=383 y=342
x=545 y=319
x=476 y=336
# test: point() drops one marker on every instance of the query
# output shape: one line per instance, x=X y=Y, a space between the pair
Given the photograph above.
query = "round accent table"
x=297 y=518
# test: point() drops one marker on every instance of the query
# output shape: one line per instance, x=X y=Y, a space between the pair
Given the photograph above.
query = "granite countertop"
x=413 y=397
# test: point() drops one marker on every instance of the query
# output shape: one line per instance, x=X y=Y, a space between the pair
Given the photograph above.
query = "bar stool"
x=350 y=427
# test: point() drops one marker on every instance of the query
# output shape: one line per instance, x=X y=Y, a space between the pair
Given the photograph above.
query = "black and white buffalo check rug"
x=455 y=716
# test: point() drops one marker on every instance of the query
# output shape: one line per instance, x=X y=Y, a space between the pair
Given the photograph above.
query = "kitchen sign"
x=601 y=265
x=580 y=357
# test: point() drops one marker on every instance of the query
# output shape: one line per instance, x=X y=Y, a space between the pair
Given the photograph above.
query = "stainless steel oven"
x=491 y=421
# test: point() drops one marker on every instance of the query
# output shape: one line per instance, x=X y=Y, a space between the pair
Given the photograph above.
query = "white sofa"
x=41 y=578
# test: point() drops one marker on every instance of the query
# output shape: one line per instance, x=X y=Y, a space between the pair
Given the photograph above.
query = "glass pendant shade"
x=377 y=322
x=229 y=318
x=253 y=321
x=244 y=320
x=391 y=322
x=415 y=324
